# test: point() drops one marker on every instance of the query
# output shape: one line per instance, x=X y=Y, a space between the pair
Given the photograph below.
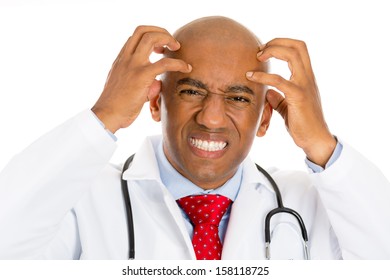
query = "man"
x=61 y=199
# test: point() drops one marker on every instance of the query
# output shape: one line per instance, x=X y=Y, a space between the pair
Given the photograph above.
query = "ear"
x=265 y=120
x=155 y=107
x=155 y=101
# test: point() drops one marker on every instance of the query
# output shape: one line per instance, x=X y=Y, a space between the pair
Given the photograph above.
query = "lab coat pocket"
x=286 y=242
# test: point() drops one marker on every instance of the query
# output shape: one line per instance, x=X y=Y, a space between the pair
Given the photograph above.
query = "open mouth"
x=208 y=146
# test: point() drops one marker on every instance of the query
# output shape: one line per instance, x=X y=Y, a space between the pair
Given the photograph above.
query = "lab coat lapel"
x=244 y=236
x=176 y=214
x=145 y=168
x=144 y=165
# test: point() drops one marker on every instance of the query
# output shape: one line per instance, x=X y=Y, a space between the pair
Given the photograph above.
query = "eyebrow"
x=240 y=88
x=192 y=82
x=199 y=84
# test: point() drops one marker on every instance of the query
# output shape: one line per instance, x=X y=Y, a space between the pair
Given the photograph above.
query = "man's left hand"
x=300 y=106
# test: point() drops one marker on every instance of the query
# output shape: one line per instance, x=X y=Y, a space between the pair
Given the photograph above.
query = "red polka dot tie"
x=205 y=213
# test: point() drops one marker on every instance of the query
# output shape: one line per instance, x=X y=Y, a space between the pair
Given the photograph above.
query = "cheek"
x=174 y=118
x=246 y=122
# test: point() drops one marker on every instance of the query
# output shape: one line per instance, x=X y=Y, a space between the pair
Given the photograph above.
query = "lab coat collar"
x=252 y=177
x=144 y=165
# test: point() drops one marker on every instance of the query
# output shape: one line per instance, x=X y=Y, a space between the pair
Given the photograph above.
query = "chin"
x=207 y=178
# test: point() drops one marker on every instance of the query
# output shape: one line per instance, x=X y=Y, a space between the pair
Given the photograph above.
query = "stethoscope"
x=279 y=209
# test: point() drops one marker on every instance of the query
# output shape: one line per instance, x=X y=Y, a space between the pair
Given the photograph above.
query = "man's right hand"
x=132 y=79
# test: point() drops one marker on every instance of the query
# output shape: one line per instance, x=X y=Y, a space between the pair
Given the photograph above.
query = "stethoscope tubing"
x=129 y=212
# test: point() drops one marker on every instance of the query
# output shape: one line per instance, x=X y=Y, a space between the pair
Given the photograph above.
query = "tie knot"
x=204 y=209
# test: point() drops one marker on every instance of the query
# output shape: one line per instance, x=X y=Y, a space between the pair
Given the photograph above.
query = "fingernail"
x=259 y=53
x=249 y=74
x=189 y=68
x=173 y=49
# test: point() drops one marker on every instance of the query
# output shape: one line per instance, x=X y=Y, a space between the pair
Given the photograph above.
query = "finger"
x=159 y=50
x=274 y=98
x=292 y=43
x=133 y=42
x=290 y=55
x=274 y=80
x=169 y=64
x=289 y=50
x=278 y=102
x=154 y=90
x=152 y=41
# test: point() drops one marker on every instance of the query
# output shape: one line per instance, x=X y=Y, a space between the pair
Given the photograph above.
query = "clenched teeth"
x=209 y=146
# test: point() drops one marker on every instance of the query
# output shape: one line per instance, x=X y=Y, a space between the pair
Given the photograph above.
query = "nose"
x=213 y=112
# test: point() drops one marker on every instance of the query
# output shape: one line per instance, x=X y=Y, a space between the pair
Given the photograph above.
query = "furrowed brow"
x=239 y=88
x=230 y=89
x=192 y=82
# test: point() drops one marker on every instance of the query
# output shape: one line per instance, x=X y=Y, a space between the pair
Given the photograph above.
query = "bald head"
x=217 y=34
x=216 y=28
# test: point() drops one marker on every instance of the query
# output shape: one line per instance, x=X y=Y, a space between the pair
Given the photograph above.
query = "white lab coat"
x=61 y=199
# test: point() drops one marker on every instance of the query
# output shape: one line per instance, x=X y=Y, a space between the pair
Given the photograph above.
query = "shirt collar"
x=180 y=186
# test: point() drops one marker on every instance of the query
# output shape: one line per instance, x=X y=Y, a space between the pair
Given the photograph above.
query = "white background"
x=55 y=56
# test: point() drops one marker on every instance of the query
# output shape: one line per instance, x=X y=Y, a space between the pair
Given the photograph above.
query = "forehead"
x=219 y=64
x=221 y=51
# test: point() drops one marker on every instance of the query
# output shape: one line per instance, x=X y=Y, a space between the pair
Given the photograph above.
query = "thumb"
x=277 y=101
x=154 y=89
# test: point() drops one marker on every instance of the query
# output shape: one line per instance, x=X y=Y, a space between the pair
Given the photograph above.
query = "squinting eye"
x=191 y=95
x=239 y=99
x=240 y=102
x=190 y=92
